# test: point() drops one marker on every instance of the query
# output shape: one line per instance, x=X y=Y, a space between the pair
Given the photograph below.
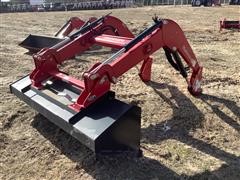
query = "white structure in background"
x=36 y=2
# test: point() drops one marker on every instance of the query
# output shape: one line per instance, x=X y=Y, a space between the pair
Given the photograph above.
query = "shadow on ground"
x=231 y=105
x=111 y=167
x=186 y=117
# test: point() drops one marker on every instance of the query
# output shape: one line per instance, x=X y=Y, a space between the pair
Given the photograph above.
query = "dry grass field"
x=203 y=141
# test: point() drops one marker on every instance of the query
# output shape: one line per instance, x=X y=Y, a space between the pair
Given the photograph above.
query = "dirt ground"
x=203 y=141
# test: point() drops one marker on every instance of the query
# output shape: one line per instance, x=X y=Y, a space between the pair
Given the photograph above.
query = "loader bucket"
x=107 y=126
x=35 y=43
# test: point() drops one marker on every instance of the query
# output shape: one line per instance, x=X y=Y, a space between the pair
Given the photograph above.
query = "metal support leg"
x=145 y=71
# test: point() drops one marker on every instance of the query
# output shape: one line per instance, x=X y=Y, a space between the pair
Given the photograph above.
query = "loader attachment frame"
x=87 y=106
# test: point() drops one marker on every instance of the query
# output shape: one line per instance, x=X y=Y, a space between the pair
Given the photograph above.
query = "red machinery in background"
x=87 y=108
x=226 y=24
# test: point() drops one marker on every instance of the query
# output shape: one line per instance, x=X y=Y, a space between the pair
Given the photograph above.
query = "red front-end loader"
x=87 y=109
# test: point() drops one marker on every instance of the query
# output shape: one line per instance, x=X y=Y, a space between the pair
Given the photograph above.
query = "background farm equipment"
x=234 y=2
x=226 y=24
x=202 y=3
x=87 y=109
x=206 y=3
x=57 y=6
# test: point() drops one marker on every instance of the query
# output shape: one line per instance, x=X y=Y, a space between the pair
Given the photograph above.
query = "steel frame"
x=111 y=32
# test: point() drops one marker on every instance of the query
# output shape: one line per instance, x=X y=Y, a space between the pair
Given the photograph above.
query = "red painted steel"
x=111 y=32
x=73 y=23
x=64 y=77
x=226 y=24
x=145 y=71
x=112 y=41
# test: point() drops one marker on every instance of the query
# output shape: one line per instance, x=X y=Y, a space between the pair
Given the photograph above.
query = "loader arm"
x=112 y=24
x=168 y=35
x=164 y=33
x=69 y=26
x=78 y=43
